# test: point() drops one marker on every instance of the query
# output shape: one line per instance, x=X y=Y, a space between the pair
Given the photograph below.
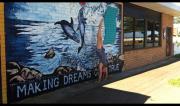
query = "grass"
x=178 y=44
x=175 y=82
x=177 y=56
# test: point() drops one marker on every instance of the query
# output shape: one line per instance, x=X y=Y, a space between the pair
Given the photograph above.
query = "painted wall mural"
x=51 y=45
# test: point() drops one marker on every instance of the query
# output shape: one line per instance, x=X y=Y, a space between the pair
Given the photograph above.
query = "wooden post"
x=3 y=57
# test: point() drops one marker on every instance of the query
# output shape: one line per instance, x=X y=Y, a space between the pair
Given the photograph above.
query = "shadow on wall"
x=105 y=96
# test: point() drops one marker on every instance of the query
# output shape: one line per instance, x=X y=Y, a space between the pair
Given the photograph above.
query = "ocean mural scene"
x=44 y=39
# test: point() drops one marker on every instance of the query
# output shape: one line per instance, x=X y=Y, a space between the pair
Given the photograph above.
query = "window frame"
x=145 y=34
x=160 y=27
x=133 y=41
x=135 y=27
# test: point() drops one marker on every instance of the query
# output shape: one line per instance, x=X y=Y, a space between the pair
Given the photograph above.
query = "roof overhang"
x=167 y=8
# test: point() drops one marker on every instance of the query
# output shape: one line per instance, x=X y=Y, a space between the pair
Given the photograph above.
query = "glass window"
x=150 y=34
x=128 y=32
x=139 y=33
x=153 y=34
x=157 y=34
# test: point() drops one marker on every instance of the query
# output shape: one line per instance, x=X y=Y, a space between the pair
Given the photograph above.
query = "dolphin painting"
x=69 y=30
x=81 y=27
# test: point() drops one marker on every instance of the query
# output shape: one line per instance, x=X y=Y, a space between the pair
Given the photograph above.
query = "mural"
x=51 y=45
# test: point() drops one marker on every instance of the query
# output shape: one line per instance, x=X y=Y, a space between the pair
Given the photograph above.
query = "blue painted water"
x=30 y=33
x=28 y=43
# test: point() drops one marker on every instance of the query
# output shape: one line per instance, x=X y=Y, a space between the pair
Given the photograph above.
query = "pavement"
x=148 y=84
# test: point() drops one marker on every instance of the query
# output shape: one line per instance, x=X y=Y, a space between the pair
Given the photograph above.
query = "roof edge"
x=167 y=8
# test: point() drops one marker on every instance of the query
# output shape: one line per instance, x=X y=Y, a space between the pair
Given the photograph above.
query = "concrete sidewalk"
x=117 y=89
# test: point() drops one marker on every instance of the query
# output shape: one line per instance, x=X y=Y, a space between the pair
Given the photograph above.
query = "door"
x=168 y=41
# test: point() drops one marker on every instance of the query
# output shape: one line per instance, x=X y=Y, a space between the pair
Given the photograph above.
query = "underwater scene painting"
x=48 y=40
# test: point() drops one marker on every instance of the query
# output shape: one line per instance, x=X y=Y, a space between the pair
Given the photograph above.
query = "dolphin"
x=69 y=30
x=81 y=27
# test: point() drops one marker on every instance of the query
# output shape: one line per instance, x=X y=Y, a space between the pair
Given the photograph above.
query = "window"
x=142 y=27
x=139 y=33
x=150 y=34
x=128 y=32
x=153 y=34
x=157 y=34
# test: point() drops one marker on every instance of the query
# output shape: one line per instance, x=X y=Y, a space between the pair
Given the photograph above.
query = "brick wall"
x=141 y=57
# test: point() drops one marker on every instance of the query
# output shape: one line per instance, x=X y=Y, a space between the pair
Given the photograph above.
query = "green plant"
x=177 y=56
x=177 y=44
x=176 y=20
x=175 y=82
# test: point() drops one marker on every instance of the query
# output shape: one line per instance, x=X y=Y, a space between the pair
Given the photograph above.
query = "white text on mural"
x=76 y=77
x=36 y=87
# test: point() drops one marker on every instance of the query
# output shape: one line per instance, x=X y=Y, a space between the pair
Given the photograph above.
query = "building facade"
x=43 y=48
x=150 y=49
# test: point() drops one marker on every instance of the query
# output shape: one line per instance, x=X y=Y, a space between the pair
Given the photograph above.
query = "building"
x=43 y=48
x=159 y=14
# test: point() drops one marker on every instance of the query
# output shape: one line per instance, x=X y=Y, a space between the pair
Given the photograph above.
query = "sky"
x=178 y=4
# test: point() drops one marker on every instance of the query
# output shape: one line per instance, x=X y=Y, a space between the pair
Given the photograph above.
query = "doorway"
x=168 y=41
